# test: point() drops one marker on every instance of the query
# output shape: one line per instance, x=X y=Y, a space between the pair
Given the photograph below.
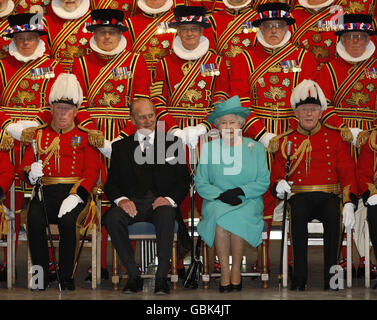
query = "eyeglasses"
x=23 y=38
x=273 y=24
x=310 y=109
x=112 y=32
x=192 y=29
x=350 y=36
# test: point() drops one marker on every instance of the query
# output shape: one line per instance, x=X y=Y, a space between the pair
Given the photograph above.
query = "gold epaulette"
x=7 y=142
x=273 y=145
x=95 y=137
x=345 y=132
x=27 y=134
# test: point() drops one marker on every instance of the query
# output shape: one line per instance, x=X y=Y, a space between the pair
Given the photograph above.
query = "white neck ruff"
x=195 y=54
x=143 y=6
x=83 y=8
x=121 y=46
x=263 y=42
x=41 y=48
x=347 y=57
x=305 y=4
x=8 y=9
x=230 y=6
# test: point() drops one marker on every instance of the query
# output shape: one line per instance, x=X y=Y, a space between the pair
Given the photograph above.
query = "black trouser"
x=304 y=208
x=36 y=223
x=372 y=223
x=163 y=218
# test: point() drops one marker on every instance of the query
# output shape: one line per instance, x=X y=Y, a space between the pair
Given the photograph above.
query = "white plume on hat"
x=308 y=91
x=66 y=88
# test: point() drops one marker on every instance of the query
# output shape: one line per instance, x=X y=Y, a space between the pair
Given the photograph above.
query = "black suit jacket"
x=125 y=176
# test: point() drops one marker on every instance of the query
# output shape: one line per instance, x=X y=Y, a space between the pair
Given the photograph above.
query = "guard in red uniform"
x=7 y=8
x=68 y=167
x=111 y=77
x=349 y=84
x=366 y=173
x=232 y=28
x=321 y=167
x=26 y=77
x=67 y=34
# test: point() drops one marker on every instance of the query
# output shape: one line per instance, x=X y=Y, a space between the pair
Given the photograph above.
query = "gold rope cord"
x=304 y=149
x=52 y=149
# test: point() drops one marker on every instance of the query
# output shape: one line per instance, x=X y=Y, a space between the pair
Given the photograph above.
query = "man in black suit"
x=148 y=179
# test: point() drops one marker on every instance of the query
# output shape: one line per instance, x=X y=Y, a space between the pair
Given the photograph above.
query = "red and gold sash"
x=107 y=72
x=11 y=86
x=233 y=28
x=348 y=83
x=272 y=60
x=149 y=31
x=185 y=83
x=63 y=35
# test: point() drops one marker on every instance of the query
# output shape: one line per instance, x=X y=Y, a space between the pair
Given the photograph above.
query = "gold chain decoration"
x=304 y=149
x=52 y=149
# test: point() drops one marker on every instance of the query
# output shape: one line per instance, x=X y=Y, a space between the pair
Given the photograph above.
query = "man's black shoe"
x=134 y=284
x=104 y=274
x=297 y=286
x=161 y=286
x=68 y=284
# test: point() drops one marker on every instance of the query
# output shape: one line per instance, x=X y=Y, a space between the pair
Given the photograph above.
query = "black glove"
x=231 y=196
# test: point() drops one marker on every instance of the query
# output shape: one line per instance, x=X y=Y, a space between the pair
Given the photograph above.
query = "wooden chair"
x=206 y=276
x=10 y=241
x=146 y=233
x=315 y=232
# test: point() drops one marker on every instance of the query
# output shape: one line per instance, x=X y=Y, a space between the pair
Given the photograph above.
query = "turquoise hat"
x=230 y=106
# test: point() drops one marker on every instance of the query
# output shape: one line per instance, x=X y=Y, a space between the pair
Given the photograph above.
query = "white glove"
x=106 y=150
x=15 y=130
x=348 y=215
x=193 y=134
x=355 y=132
x=372 y=200
x=283 y=187
x=36 y=171
x=28 y=123
x=181 y=134
x=69 y=204
x=265 y=140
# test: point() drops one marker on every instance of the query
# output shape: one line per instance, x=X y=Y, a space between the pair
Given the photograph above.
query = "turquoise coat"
x=222 y=167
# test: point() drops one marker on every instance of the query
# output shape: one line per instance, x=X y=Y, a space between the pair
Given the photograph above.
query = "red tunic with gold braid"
x=264 y=80
x=358 y=6
x=6 y=173
x=32 y=6
x=318 y=40
x=4 y=41
x=366 y=168
x=68 y=38
x=183 y=95
x=109 y=85
x=351 y=89
x=257 y=3
x=320 y=161
x=149 y=36
x=212 y=6
x=66 y=154
x=233 y=31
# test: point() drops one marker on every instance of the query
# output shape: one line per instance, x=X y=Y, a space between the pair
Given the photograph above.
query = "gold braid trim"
x=304 y=149
x=346 y=194
x=273 y=145
x=95 y=137
x=362 y=137
x=7 y=142
x=3 y=222
x=76 y=186
x=372 y=188
x=373 y=147
x=345 y=132
x=52 y=150
x=28 y=134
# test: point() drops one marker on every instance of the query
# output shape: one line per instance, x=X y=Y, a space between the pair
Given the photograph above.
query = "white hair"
x=240 y=119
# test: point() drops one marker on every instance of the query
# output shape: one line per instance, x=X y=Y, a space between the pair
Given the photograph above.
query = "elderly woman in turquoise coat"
x=231 y=177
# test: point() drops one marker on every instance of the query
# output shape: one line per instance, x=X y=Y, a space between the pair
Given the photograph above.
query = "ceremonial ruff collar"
x=228 y=5
x=41 y=48
x=8 y=9
x=145 y=8
x=121 y=46
x=263 y=42
x=305 y=4
x=83 y=8
x=195 y=54
x=345 y=56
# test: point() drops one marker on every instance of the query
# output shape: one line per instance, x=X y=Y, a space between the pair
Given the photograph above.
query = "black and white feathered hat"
x=307 y=92
x=190 y=15
x=66 y=89
x=107 y=18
